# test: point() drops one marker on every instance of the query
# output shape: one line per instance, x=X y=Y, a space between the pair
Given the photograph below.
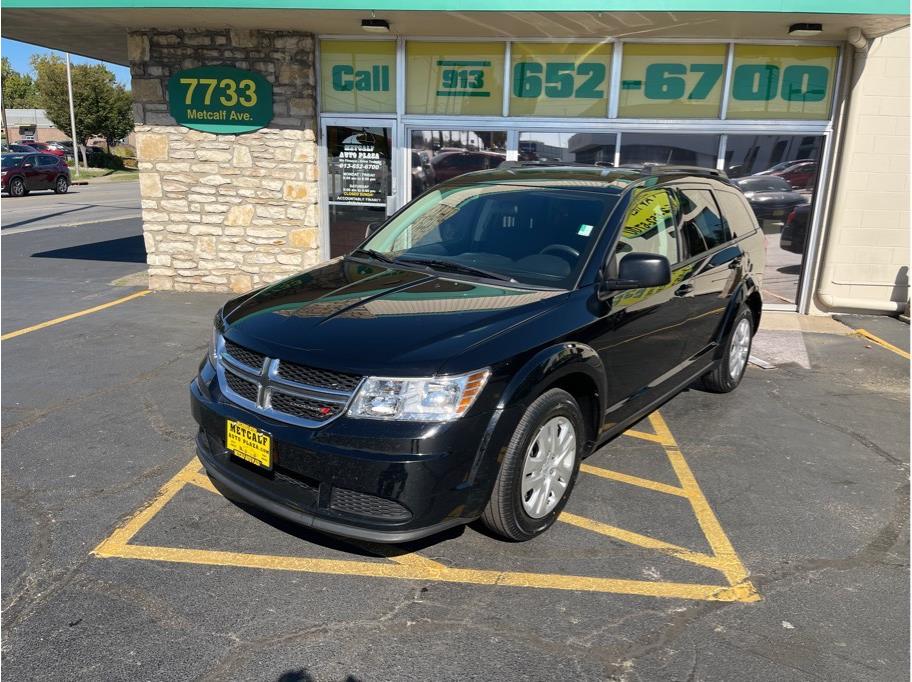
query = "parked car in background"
x=517 y=320
x=782 y=166
x=24 y=173
x=770 y=197
x=46 y=148
x=21 y=148
x=799 y=176
x=794 y=233
x=95 y=156
x=451 y=164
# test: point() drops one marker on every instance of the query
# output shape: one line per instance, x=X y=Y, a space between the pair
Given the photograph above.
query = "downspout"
x=856 y=38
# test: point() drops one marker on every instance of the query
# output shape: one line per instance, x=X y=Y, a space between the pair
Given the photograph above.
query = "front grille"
x=245 y=389
x=311 y=376
x=245 y=356
x=304 y=407
x=362 y=504
x=287 y=391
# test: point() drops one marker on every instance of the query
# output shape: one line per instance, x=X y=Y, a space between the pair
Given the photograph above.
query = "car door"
x=47 y=164
x=713 y=265
x=32 y=173
x=639 y=335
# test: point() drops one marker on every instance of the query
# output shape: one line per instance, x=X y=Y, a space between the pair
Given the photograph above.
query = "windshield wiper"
x=376 y=255
x=454 y=266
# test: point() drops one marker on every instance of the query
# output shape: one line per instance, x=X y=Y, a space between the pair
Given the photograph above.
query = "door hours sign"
x=363 y=165
x=220 y=99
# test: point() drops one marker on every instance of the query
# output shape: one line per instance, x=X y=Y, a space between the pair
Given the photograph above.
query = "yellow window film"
x=560 y=79
x=358 y=76
x=671 y=81
x=782 y=81
x=454 y=78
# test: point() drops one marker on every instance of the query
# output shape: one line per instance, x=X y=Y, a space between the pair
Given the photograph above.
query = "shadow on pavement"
x=125 y=250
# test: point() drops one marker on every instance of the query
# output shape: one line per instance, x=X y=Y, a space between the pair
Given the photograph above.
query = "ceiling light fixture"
x=805 y=29
x=375 y=25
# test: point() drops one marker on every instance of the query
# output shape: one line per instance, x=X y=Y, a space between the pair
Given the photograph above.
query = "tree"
x=18 y=89
x=102 y=106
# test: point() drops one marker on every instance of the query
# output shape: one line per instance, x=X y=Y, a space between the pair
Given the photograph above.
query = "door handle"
x=684 y=289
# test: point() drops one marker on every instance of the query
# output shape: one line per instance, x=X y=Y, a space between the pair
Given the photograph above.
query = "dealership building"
x=271 y=133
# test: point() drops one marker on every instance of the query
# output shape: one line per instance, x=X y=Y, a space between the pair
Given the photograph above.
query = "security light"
x=375 y=25
x=805 y=29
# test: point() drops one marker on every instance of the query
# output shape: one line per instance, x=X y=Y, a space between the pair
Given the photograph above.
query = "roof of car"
x=586 y=177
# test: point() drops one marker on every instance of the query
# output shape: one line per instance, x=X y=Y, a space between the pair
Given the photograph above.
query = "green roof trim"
x=795 y=7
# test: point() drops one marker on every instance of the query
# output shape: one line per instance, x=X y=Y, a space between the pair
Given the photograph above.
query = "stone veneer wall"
x=226 y=212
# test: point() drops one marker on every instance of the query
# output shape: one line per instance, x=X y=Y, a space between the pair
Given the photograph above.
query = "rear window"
x=766 y=183
x=702 y=226
x=736 y=213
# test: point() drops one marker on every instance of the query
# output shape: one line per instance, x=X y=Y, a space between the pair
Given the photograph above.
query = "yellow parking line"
x=742 y=593
x=201 y=480
x=885 y=344
x=642 y=435
x=633 y=480
x=721 y=546
x=641 y=540
x=71 y=316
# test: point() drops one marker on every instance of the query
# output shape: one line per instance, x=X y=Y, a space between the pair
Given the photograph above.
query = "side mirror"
x=28 y=164
x=371 y=228
x=638 y=271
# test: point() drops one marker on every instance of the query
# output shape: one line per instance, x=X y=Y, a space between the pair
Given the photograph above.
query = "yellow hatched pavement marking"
x=412 y=566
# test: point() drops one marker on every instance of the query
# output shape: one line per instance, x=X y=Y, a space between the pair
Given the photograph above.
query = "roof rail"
x=664 y=168
x=549 y=163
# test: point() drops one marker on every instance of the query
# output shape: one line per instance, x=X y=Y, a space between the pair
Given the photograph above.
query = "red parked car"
x=23 y=173
x=46 y=149
x=801 y=175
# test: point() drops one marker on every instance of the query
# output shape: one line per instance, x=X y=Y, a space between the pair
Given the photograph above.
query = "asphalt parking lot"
x=757 y=536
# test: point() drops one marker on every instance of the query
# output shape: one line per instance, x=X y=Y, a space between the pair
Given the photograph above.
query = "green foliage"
x=102 y=106
x=19 y=90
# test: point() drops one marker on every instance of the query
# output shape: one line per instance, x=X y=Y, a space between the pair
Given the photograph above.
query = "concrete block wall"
x=865 y=262
x=226 y=212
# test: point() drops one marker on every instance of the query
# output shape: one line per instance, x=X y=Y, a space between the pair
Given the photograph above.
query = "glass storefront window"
x=671 y=81
x=560 y=79
x=358 y=76
x=595 y=148
x=778 y=175
x=460 y=79
x=438 y=155
x=664 y=148
x=782 y=81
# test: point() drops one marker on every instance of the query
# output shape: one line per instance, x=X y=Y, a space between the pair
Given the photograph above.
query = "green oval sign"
x=220 y=99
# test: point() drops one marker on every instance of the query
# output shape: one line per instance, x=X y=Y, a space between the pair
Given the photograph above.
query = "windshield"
x=12 y=160
x=764 y=184
x=533 y=235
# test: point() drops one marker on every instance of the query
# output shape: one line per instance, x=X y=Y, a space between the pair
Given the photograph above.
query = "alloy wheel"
x=740 y=348
x=548 y=466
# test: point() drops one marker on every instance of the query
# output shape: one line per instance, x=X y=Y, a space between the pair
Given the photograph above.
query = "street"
x=760 y=535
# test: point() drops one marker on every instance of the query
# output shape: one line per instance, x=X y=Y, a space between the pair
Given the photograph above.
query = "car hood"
x=349 y=315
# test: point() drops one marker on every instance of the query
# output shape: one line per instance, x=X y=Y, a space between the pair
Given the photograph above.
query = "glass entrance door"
x=359 y=179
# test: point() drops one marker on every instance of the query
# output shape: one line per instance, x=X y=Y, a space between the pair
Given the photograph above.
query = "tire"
x=515 y=510
x=728 y=372
x=17 y=188
x=61 y=185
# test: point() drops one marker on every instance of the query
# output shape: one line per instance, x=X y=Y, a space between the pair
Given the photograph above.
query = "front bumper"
x=365 y=479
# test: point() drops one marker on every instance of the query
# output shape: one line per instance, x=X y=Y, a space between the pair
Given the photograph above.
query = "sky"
x=20 y=53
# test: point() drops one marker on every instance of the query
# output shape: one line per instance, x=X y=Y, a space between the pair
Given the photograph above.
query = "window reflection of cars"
x=448 y=165
x=771 y=197
x=799 y=176
x=794 y=232
x=423 y=175
x=782 y=166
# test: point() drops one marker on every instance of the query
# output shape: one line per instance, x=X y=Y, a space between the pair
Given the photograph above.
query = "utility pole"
x=72 y=116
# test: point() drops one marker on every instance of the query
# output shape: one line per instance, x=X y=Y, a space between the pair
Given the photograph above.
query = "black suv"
x=489 y=336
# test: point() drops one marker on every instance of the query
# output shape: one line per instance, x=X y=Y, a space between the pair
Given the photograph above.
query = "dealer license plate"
x=249 y=444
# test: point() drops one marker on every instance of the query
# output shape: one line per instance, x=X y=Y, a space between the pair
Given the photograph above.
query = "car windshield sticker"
x=585 y=230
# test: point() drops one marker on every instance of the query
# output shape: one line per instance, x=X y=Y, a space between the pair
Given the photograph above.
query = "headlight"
x=214 y=346
x=423 y=400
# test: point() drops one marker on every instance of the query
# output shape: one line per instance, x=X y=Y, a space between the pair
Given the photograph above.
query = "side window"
x=46 y=160
x=736 y=214
x=702 y=227
x=649 y=227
